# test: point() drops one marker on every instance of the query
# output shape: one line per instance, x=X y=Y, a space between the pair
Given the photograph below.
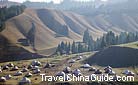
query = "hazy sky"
x=55 y=1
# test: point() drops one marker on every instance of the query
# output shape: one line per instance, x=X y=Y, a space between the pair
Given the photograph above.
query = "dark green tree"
x=86 y=36
x=73 y=48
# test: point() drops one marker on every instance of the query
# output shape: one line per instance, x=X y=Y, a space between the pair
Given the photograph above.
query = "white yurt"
x=77 y=72
x=8 y=77
x=86 y=66
x=47 y=65
x=108 y=69
x=28 y=75
x=36 y=63
x=131 y=73
x=25 y=70
x=60 y=73
x=14 y=68
x=10 y=65
x=92 y=69
x=72 y=61
x=125 y=72
x=79 y=58
x=111 y=72
x=67 y=70
x=25 y=81
x=2 y=79
x=35 y=67
x=30 y=67
x=36 y=71
x=18 y=73
x=0 y=70
x=5 y=67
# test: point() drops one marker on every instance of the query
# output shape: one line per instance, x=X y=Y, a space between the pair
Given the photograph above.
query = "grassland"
x=60 y=63
x=130 y=45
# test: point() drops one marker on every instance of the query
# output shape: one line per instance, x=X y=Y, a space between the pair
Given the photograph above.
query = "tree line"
x=9 y=12
x=89 y=44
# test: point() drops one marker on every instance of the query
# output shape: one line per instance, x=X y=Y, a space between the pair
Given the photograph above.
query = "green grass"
x=130 y=45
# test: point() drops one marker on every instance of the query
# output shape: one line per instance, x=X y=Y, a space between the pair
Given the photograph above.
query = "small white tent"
x=5 y=67
x=36 y=63
x=48 y=65
x=92 y=69
x=30 y=67
x=10 y=65
x=60 y=73
x=131 y=73
x=77 y=72
x=72 y=61
x=86 y=66
x=111 y=72
x=35 y=67
x=37 y=71
x=125 y=72
x=28 y=75
x=79 y=58
x=25 y=81
x=25 y=70
x=108 y=69
x=0 y=70
x=2 y=79
x=67 y=70
x=8 y=77
x=14 y=68
x=18 y=73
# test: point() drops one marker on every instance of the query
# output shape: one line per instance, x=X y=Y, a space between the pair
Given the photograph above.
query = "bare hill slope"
x=116 y=21
x=46 y=28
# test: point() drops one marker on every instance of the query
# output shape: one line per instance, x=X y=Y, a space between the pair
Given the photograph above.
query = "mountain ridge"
x=53 y=26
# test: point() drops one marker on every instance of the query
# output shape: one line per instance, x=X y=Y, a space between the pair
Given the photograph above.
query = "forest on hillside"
x=7 y=13
x=89 y=44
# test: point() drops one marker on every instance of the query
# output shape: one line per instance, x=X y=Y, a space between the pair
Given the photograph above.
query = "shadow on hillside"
x=18 y=57
x=115 y=56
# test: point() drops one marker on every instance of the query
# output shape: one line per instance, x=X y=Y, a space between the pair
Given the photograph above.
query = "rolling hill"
x=46 y=28
x=116 y=21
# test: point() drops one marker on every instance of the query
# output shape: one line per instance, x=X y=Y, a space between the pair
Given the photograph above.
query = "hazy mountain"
x=8 y=3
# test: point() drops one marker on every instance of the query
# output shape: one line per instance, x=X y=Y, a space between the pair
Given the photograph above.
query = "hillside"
x=46 y=28
x=115 y=56
x=115 y=21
